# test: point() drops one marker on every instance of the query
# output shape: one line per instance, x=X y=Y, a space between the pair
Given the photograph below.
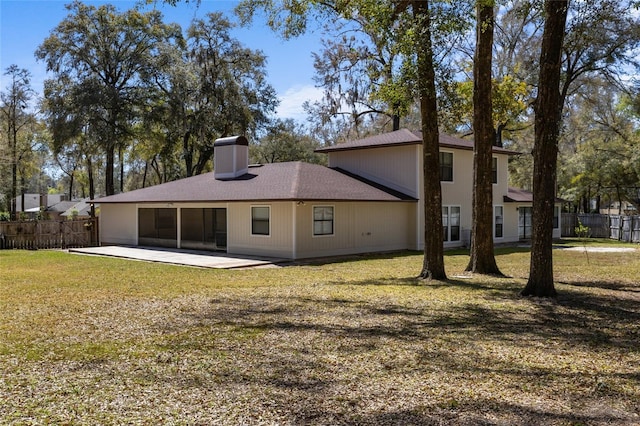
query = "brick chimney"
x=230 y=157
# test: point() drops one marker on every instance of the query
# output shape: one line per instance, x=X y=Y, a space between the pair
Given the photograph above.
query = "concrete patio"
x=194 y=258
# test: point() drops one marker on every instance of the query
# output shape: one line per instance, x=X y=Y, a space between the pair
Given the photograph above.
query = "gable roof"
x=269 y=182
x=60 y=207
x=406 y=137
x=82 y=208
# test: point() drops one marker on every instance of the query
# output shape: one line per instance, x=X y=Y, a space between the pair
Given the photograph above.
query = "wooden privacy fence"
x=625 y=228
x=621 y=228
x=48 y=234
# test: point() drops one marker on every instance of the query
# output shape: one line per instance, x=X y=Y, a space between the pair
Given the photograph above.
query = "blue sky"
x=24 y=24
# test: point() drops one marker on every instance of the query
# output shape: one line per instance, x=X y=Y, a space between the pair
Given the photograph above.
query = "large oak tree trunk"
x=482 y=259
x=548 y=110
x=433 y=264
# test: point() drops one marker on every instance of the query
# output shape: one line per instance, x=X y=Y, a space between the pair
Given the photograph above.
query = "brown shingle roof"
x=517 y=195
x=406 y=137
x=269 y=182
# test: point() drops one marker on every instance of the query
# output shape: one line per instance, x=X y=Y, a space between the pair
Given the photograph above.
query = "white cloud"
x=293 y=98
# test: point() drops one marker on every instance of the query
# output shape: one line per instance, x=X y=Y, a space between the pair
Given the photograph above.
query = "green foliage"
x=285 y=141
x=368 y=73
x=510 y=99
x=582 y=231
x=601 y=147
x=17 y=125
x=129 y=86
x=104 y=59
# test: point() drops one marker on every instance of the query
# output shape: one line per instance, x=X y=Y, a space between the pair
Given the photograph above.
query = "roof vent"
x=230 y=157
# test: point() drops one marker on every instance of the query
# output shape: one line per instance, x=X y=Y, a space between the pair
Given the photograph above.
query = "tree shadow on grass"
x=304 y=349
x=575 y=317
x=629 y=288
x=489 y=412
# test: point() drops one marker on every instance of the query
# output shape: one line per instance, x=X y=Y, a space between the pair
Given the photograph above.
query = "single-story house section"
x=369 y=199
x=287 y=210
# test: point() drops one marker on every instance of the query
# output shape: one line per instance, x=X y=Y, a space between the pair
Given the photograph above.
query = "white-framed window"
x=260 y=220
x=451 y=223
x=323 y=217
x=556 y=217
x=498 y=221
x=446 y=166
x=494 y=170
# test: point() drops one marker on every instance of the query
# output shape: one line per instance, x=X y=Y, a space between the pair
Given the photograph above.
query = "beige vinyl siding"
x=510 y=227
x=118 y=224
x=279 y=243
x=459 y=193
x=501 y=188
x=394 y=167
x=359 y=227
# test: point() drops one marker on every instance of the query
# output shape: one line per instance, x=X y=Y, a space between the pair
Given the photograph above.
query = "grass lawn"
x=88 y=340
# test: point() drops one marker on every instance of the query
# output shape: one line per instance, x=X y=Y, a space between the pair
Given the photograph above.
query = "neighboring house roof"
x=269 y=182
x=62 y=206
x=406 y=137
x=82 y=207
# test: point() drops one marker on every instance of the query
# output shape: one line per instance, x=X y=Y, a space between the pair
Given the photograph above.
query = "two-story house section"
x=395 y=160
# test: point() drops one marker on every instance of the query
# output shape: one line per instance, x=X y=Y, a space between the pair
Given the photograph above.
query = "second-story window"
x=494 y=170
x=446 y=167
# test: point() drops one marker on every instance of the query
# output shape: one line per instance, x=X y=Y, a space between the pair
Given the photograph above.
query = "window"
x=446 y=167
x=260 y=220
x=494 y=170
x=450 y=223
x=498 y=220
x=556 y=217
x=323 y=220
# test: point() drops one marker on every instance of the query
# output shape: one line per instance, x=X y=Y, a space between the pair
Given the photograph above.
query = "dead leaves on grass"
x=329 y=347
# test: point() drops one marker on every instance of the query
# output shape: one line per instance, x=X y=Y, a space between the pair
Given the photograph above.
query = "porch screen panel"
x=191 y=223
x=167 y=224
x=157 y=227
x=204 y=228
x=147 y=223
x=220 y=231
